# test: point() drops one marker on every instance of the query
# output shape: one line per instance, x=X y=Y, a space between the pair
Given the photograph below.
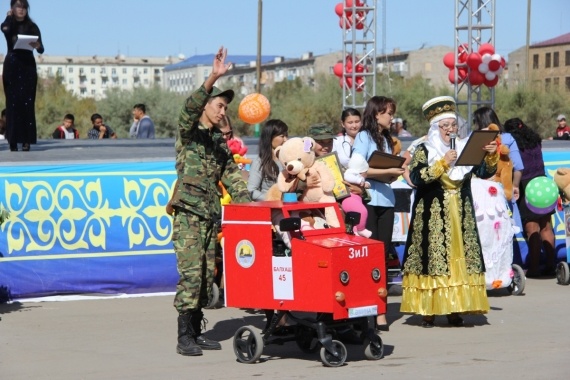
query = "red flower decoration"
x=493 y=190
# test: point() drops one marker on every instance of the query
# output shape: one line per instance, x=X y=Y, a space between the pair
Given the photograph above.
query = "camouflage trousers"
x=194 y=244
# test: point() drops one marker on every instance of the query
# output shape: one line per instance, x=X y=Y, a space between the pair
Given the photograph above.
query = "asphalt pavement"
x=522 y=337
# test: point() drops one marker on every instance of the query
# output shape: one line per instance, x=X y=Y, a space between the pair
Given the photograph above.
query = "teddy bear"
x=562 y=180
x=299 y=161
x=504 y=174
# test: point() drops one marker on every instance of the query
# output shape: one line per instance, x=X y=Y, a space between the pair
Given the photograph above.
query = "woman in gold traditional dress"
x=443 y=265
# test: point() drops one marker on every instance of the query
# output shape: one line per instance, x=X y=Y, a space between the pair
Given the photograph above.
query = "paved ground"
x=522 y=337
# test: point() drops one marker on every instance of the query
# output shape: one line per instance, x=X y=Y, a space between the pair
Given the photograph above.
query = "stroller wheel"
x=562 y=273
x=517 y=285
x=336 y=357
x=248 y=344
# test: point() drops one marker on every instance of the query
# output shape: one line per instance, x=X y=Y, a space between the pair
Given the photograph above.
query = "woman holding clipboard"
x=443 y=264
x=375 y=136
x=20 y=76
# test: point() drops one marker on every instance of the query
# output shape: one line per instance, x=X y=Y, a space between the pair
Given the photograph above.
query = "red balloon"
x=359 y=3
x=348 y=3
x=359 y=26
x=337 y=69
x=476 y=78
x=462 y=52
x=451 y=77
x=347 y=81
x=360 y=84
x=359 y=68
x=494 y=65
x=503 y=62
x=348 y=65
x=462 y=72
x=473 y=61
x=486 y=49
x=338 y=9
x=491 y=83
x=449 y=60
x=345 y=23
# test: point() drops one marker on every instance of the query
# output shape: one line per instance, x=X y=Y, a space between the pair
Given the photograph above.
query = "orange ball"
x=254 y=108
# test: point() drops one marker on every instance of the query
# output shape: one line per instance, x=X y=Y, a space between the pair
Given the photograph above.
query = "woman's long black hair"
x=272 y=128
x=374 y=106
x=525 y=137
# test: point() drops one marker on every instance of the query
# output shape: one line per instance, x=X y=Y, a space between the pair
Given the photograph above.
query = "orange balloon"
x=254 y=108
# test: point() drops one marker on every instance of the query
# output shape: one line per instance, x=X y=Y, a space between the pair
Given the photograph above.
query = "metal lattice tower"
x=474 y=25
x=359 y=47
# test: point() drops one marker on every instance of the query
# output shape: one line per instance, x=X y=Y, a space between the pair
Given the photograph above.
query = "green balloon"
x=541 y=192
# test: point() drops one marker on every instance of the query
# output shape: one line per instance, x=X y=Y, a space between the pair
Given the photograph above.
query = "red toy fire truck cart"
x=337 y=277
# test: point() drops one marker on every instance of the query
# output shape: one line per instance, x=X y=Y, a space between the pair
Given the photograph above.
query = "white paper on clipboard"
x=24 y=40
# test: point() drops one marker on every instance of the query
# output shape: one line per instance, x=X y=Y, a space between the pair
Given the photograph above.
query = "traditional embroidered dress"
x=443 y=265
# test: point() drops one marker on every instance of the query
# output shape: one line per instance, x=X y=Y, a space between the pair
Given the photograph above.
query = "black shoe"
x=207 y=344
x=26 y=147
x=455 y=320
x=14 y=147
x=428 y=321
x=383 y=327
x=188 y=347
x=186 y=343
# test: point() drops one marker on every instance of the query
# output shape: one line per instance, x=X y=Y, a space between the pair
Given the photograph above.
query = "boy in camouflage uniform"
x=203 y=159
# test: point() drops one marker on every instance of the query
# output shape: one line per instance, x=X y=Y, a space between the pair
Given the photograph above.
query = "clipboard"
x=473 y=153
x=381 y=160
x=23 y=42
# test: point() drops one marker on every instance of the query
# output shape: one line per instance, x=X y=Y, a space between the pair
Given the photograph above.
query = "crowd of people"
x=443 y=265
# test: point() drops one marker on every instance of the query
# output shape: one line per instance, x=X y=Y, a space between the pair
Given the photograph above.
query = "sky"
x=161 y=28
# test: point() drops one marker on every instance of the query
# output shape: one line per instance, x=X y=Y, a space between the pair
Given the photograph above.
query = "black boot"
x=186 y=342
x=201 y=340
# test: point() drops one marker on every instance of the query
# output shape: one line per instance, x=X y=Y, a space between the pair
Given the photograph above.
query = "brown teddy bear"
x=562 y=180
x=504 y=174
x=298 y=158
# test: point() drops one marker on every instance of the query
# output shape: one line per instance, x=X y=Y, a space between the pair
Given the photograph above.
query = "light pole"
x=258 y=64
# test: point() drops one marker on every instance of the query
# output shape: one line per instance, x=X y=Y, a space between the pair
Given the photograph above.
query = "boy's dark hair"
x=95 y=116
x=69 y=117
x=141 y=107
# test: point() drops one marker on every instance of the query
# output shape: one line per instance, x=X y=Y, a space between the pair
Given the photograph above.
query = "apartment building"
x=86 y=76
x=548 y=64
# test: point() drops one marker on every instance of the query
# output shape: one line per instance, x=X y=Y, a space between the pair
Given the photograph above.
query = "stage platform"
x=87 y=216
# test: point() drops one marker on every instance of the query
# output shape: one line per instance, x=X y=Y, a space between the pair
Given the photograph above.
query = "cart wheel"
x=562 y=273
x=215 y=297
x=336 y=358
x=248 y=344
x=517 y=285
x=306 y=339
x=374 y=349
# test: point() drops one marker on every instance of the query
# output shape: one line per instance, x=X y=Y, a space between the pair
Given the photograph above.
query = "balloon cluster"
x=347 y=18
x=476 y=68
x=345 y=74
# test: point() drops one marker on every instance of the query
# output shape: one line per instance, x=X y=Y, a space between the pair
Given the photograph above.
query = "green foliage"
x=163 y=108
x=298 y=104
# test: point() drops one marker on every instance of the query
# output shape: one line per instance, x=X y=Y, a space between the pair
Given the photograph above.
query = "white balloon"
x=490 y=75
x=483 y=68
x=486 y=58
x=500 y=71
x=496 y=57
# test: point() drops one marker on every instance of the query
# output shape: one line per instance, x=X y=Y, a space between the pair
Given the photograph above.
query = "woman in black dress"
x=20 y=76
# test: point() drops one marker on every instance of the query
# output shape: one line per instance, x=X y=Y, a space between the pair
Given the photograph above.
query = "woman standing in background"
x=20 y=76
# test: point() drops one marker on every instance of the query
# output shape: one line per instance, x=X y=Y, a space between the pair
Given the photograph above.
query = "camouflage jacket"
x=202 y=160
